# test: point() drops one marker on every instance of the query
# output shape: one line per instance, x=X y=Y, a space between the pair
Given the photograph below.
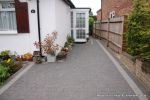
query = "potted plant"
x=5 y=54
x=65 y=49
x=28 y=57
x=49 y=46
x=62 y=54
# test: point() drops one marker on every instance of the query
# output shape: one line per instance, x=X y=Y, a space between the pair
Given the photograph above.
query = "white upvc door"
x=80 y=27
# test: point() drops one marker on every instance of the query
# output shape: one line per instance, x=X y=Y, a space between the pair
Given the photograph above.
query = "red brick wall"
x=121 y=7
x=99 y=15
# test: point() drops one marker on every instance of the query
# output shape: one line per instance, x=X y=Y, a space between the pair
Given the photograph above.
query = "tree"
x=138 y=34
x=91 y=22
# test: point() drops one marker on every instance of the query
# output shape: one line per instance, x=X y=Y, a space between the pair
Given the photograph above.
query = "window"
x=80 y=20
x=7 y=16
x=112 y=14
x=80 y=34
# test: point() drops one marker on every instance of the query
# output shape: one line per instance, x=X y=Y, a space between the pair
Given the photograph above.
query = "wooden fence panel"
x=111 y=30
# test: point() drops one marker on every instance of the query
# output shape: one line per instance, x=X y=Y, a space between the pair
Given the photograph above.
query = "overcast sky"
x=93 y=4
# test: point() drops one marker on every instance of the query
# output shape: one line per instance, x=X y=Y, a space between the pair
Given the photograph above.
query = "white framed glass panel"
x=80 y=34
x=80 y=20
x=7 y=16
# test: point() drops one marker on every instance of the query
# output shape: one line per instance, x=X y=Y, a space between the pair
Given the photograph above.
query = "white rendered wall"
x=22 y=43
x=47 y=17
x=63 y=21
x=54 y=16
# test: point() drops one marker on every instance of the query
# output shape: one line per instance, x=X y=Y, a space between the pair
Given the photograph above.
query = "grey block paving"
x=86 y=74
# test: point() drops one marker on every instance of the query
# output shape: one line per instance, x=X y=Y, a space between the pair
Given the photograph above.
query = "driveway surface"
x=86 y=74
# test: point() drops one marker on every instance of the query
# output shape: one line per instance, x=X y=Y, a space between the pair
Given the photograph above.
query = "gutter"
x=69 y=2
x=39 y=30
x=101 y=10
x=83 y=8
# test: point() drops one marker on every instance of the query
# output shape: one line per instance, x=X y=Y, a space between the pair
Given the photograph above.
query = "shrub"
x=138 y=34
x=15 y=67
x=91 y=22
x=70 y=39
x=8 y=63
x=4 y=73
x=5 y=53
x=69 y=43
x=61 y=55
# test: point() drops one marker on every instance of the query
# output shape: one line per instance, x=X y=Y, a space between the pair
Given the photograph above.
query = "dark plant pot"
x=61 y=57
x=37 y=59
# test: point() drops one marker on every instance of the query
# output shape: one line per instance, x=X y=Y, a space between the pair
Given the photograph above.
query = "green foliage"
x=61 y=54
x=5 y=53
x=4 y=73
x=8 y=65
x=67 y=44
x=138 y=34
x=91 y=22
x=70 y=39
x=15 y=67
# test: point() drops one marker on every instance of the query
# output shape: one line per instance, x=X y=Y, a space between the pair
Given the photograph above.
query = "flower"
x=9 y=60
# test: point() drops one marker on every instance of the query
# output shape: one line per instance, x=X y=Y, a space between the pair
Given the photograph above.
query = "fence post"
x=93 y=30
x=100 y=30
x=108 y=23
x=124 y=45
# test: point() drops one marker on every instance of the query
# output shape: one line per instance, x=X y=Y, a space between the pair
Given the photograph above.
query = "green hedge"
x=91 y=22
x=138 y=34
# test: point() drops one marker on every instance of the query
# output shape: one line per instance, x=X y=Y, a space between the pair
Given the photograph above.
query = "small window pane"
x=81 y=34
x=7 y=16
x=80 y=20
x=8 y=5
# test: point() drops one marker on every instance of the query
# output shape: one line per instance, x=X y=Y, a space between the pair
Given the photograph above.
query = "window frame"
x=80 y=20
x=112 y=14
x=8 y=9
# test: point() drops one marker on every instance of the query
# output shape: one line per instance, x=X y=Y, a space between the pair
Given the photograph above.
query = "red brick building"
x=99 y=14
x=114 y=8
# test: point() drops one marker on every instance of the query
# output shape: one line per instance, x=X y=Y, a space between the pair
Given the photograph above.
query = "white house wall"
x=22 y=43
x=47 y=17
x=63 y=21
x=54 y=16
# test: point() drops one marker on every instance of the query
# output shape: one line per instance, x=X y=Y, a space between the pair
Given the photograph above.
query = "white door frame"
x=86 y=28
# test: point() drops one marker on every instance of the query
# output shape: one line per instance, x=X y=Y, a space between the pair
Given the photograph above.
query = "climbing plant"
x=138 y=34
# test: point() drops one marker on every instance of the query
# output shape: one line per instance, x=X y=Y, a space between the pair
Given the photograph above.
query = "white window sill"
x=8 y=32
